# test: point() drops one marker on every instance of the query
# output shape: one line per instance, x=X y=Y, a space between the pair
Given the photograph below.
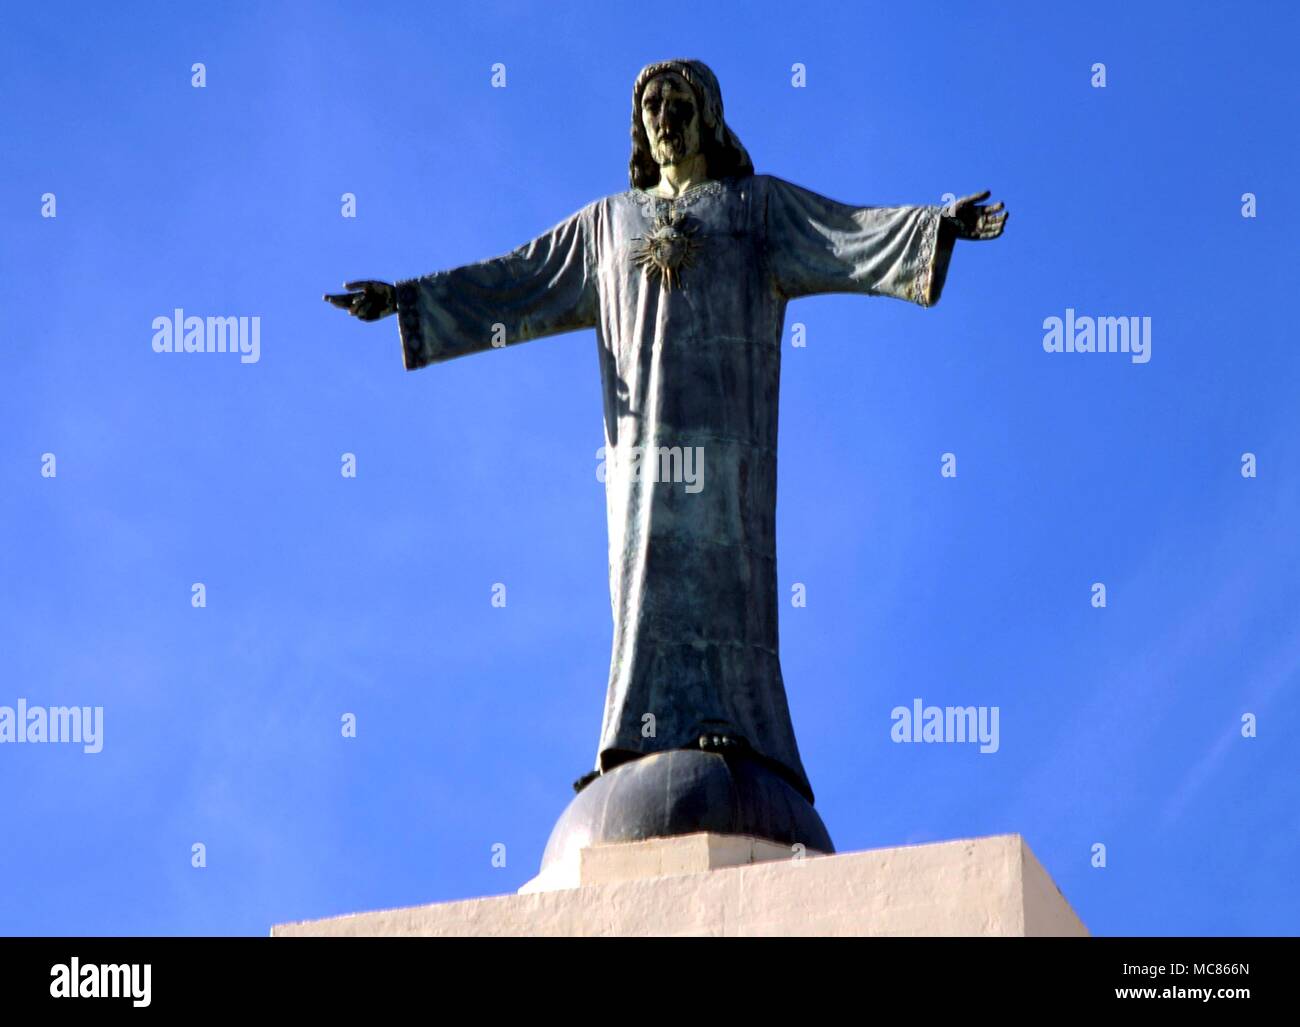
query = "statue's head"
x=677 y=113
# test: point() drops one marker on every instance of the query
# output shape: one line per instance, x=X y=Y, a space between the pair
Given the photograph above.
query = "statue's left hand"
x=972 y=221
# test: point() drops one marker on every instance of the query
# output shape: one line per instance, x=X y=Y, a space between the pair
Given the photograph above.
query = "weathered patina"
x=685 y=278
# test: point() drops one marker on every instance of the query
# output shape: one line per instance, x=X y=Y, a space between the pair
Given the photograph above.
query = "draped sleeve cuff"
x=934 y=250
x=408 y=324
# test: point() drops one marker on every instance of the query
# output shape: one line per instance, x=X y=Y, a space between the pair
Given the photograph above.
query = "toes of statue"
x=717 y=743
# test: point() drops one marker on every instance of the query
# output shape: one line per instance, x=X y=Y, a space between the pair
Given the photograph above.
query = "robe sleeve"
x=542 y=288
x=816 y=245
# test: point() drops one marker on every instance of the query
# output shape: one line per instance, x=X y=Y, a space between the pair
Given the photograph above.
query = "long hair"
x=724 y=155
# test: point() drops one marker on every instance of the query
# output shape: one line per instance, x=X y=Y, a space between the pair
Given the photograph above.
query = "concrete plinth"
x=727 y=885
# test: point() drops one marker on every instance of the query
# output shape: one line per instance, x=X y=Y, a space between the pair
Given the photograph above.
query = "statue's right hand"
x=367 y=300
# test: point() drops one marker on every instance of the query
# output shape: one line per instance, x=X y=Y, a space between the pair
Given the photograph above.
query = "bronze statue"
x=686 y=277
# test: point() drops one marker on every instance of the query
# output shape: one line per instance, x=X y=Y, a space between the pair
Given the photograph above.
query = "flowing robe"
x=692 y=566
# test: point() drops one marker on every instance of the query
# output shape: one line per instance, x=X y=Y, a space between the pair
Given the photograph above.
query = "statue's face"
x=670 y=118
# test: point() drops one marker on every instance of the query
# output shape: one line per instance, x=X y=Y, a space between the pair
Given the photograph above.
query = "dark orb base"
x=680 y=792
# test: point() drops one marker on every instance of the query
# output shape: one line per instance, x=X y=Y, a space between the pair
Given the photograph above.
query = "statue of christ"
x=685 y=277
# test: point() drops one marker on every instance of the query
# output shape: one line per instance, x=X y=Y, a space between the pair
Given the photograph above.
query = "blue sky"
x=326 y=595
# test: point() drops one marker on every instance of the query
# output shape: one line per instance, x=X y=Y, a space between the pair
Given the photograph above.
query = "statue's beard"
x=671 y=149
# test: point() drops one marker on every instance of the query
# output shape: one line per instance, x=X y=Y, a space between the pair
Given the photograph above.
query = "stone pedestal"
x=732 y=885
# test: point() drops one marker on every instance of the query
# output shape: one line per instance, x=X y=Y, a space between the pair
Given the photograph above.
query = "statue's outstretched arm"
x=544 y=287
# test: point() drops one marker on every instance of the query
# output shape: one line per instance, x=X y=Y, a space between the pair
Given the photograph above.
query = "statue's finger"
x=341 y=300
x=993 y=208
x=974 y=198
x=364 y=284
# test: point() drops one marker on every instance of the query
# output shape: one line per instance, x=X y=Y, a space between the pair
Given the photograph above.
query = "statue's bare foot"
x=724 y=744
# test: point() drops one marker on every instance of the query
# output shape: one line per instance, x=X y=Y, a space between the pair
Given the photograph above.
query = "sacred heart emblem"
x=667 y=249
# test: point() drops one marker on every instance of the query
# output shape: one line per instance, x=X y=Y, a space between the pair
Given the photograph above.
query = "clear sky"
x=1119 y=726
